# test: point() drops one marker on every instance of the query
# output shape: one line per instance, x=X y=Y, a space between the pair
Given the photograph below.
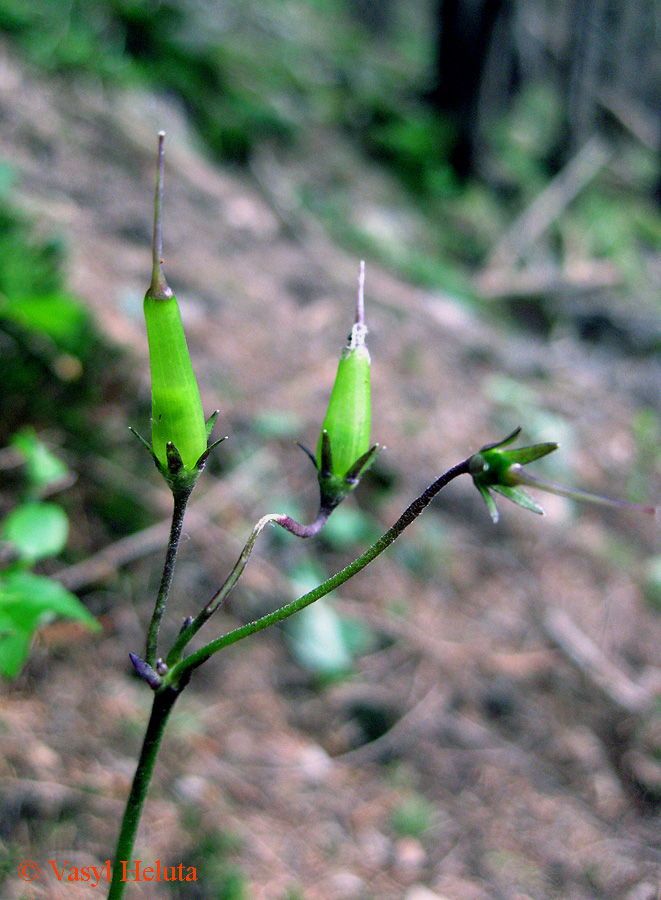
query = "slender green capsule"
x=177 y=415
x=348 y=419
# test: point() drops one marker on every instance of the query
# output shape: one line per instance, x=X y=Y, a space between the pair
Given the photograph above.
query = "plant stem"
x=286 y=522
x=163 y=702
x=179 y=675
x=180 y=502
x=182 y=670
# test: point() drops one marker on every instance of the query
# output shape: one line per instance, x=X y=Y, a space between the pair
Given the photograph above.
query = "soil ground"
x=500 y=739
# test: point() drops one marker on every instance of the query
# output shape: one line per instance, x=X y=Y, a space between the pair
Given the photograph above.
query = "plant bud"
x=179 y=433
x=344 y=451
x=348 y=419
x=177 y=415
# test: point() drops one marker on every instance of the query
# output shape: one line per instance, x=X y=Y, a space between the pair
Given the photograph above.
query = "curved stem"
x=178 y=677
x=163 y=702
x=286 y=522
x=182 y=670
x=303 y=531
x=180 y=502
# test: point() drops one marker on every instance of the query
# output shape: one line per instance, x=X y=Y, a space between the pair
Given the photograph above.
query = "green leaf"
x=37 y=530
x=43 y=467
x=27 y=597
x=14 y=651
x=57 y=315
x=27 y=602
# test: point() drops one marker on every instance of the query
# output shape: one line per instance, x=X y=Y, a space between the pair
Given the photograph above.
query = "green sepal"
x=173 y=457
x=520 y=455
x=211 y=421
x=309 y=454
x=511 y=437
x=490 y=502
x=496 y=469
x=179 y=478
x=522 y=498
x=325 y=456
x=205 y=456
x=492 y=466
x=144 y=443
x=524 y=455
x=362 y=464
x=334 y=488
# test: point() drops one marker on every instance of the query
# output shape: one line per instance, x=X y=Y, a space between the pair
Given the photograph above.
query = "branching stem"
x=286 y=522
x=183 y=669
x=176 y=679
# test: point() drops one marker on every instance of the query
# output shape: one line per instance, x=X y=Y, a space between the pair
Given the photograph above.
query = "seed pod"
x=177 y=416
x=348 y=419
x=344 y=451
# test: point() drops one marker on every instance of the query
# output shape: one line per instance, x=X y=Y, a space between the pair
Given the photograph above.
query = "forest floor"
x=500 y=739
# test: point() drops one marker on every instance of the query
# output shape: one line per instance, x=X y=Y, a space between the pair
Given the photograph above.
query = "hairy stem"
x=163 y=702
x=180 y=502
x=182 y=670
x=178 y=676
x=286 y=522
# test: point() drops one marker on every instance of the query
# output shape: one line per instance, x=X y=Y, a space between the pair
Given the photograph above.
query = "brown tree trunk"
x=464 y=38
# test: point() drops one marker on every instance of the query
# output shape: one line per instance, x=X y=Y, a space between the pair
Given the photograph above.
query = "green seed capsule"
x=177 y=415
x=345 y=434
x=348 y=419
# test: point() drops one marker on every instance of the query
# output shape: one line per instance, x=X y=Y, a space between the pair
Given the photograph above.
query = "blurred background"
x=476 y=716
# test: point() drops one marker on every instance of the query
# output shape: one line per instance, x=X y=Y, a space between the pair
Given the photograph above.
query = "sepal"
x=334 y=488
x=496 y=469
x=210 y=422
x=180 y=479
x=362 y=464
x=175 y=464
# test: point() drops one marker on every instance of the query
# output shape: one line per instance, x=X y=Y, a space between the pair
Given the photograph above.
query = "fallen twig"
x=581 y=277
x=613 y=684
x=550 y=203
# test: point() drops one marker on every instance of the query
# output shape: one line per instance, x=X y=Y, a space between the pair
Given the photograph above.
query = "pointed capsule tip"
x=359 y=329
x=159 y=289
x=360 y=303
